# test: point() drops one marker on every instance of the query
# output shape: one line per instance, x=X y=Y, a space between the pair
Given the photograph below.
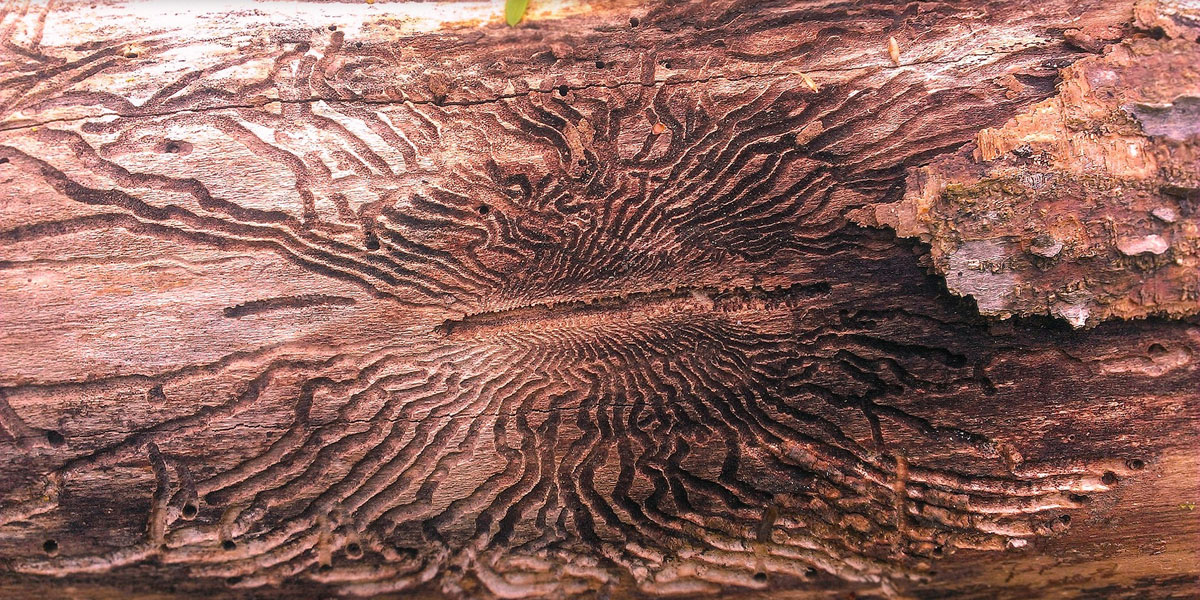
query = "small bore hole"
x=599 y=64
x=633 y=21
x=562 y=90
x=50 y=546
x=175 y=147
x=55 y=438
x=1135 y=464
x=228 y=544
x=760 y=577
x=1066 y=519
x=353 y=550
x=1109 y=478
x=189 y=511
x=1156 y=349
x=939 y=550
x=484 y=209
x=372 y=242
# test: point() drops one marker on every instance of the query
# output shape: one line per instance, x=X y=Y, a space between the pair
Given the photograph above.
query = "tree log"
x=749 y=299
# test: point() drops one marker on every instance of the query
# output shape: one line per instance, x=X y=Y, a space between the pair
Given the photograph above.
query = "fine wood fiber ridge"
x=733 y=299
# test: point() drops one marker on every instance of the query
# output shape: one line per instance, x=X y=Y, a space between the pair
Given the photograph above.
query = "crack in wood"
x=674 y=81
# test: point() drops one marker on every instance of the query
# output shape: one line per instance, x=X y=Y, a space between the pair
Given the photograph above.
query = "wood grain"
x=388 y=299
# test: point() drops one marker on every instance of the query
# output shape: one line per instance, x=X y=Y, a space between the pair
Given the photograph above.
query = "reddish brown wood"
x=393 y=300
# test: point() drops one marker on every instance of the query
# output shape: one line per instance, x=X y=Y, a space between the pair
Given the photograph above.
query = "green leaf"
x=514 y=10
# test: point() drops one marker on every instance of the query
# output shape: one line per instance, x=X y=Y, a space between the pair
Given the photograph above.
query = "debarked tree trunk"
x=753 y=299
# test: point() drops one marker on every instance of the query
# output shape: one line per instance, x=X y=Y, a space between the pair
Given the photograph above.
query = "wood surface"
x=745 y=299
